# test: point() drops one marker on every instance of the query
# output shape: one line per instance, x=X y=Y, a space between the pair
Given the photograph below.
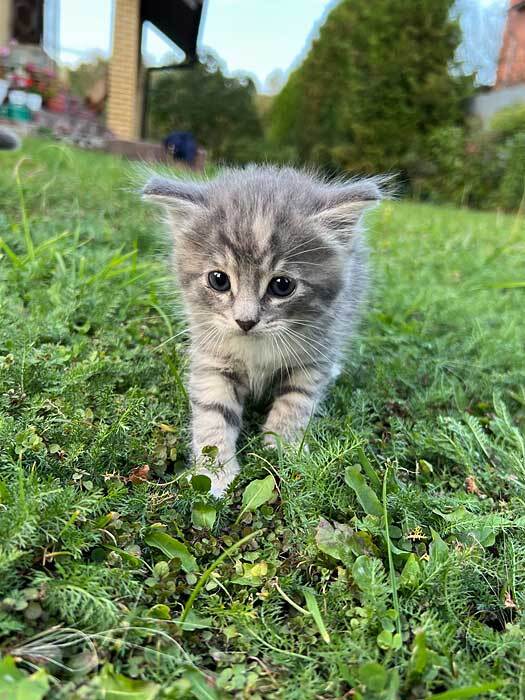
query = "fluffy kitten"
x=273 y=268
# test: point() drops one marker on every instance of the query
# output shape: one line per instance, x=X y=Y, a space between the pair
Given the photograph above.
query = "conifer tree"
x=378 y=79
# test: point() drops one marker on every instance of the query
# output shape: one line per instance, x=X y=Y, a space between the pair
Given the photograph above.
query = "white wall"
x=486 y=104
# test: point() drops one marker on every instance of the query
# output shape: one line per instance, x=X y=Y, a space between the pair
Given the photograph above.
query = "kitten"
x=273 y=270
x=8 y=140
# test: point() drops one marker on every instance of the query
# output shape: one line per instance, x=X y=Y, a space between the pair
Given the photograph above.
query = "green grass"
x=395 y=579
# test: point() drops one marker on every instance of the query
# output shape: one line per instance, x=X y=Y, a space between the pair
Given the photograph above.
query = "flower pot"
x=4 y=88
x=56 y=103
x=17 y=97
x=19 y=113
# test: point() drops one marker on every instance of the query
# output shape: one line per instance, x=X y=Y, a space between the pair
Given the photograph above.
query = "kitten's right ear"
x=181 y=197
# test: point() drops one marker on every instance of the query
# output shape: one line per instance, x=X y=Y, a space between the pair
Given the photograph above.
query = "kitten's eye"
x=219 y=281
x=281 y=286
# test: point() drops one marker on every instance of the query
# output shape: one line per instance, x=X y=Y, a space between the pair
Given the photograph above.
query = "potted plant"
x=43 y=86
x=57 y=102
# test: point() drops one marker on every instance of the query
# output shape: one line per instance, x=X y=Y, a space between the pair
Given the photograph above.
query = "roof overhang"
x=179 y=20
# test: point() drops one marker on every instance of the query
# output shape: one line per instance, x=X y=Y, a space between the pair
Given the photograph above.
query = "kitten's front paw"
x=273 y=440
x=220 y=478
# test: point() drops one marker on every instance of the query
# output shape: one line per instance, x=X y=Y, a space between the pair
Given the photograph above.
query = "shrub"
x=463 y=168
x=508 y=121
x=375 y=83
x=511 y=192
x=218 y=110
x=482 y=169
x=440 y=176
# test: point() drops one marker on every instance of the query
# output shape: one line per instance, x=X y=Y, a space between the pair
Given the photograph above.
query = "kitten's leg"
x=217 y=395
x=295 y=402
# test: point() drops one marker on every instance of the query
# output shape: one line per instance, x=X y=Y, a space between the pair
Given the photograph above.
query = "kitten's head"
x=260 y=249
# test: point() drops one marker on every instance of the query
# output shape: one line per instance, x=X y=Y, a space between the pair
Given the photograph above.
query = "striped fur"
x=253 y=225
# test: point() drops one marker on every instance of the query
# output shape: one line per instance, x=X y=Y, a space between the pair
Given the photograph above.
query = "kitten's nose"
x=246 y=325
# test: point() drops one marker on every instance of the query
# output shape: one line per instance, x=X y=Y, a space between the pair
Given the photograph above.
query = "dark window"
x=28 y=21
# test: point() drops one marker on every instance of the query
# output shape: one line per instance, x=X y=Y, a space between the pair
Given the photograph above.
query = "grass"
x=387 y=562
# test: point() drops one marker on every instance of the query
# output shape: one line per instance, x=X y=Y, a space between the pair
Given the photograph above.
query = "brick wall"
x=5 y=21
x=511 y=65
x=123 y=101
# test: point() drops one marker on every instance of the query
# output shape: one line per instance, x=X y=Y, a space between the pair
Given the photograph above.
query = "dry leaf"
x=471 y=486
x=509 y=603
x=139 y=474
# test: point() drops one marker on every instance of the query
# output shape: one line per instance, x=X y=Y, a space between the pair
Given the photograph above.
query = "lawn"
x=388 y=562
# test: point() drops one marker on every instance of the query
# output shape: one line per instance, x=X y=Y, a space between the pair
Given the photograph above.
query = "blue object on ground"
x=182 y=146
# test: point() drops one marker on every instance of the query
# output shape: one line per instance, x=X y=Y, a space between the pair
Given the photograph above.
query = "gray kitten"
x=273 y=270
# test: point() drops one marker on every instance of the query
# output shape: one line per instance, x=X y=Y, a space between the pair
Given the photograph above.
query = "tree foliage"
x=85 y=76
x=378 y=79
x=220 y=111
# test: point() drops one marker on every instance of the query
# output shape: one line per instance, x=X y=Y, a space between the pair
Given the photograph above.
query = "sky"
x=252 y=36
x=261 y=37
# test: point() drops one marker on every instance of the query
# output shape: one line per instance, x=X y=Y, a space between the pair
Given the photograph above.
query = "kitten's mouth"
x=248 y=334
x=254 y=332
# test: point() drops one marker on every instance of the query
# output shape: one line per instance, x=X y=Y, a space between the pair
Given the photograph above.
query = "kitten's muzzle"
x=246 y=325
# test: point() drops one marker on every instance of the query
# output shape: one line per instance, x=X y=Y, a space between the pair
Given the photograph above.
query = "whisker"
x=309 y=324
x=310 y=250
x=303 y=336
x=311 y=342
x=216 y=345
x=308 y=240
x=314 y=349
x=295 y=354
x=201 y=341
x=184 y=330
x=283 y=363
x=207 y=339
x=305 y=262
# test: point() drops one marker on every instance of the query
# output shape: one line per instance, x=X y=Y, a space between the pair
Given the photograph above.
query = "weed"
x=387 y=561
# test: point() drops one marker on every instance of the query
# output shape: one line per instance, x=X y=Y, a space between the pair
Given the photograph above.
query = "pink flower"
x=4 y=51
x=21 y=82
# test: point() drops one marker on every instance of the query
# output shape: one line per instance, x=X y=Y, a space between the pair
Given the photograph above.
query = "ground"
x=388 y=561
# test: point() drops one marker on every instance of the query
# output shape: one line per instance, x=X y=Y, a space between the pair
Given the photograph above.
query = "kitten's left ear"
x=182 y=197
x=341 y=206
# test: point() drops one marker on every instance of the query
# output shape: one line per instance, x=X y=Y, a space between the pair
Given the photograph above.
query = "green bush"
x=462 y=168
x=511 y=192
x=474 y=168
x=440 y=176
x=508 y=121
x=469 y=166
x=374 y=85
x=219 y=111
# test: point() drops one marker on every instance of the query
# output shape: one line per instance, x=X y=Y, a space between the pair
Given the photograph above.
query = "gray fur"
x=9 y=141
x=255 y=224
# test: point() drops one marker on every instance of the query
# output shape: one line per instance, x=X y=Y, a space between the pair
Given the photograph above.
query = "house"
x=179 y=20
x=28 y=21
x=509 y=87
x=511 y=65
x=23 y=22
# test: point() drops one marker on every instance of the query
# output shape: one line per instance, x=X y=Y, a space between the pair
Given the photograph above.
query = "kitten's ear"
x=181 y=197
x=341 y=207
